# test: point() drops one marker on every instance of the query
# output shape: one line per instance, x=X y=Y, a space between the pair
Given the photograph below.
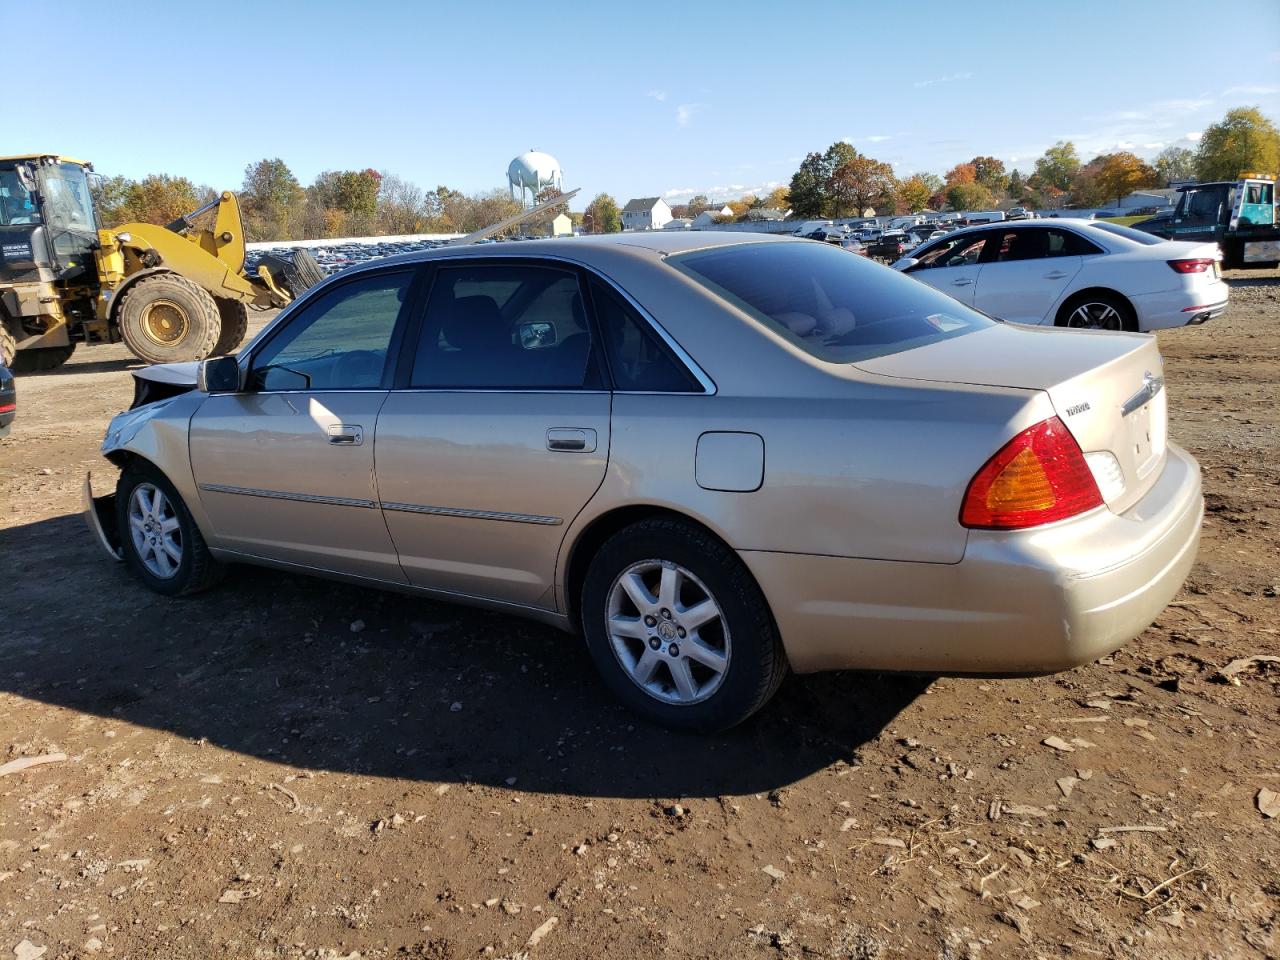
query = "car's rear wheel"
x=1098 y=311
x=162 y=543
x=678 y=628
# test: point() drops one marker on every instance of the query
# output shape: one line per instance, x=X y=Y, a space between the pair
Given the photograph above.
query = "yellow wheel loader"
x=174 y=292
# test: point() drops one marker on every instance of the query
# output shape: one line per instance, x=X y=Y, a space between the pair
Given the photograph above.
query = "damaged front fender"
x=100 y=515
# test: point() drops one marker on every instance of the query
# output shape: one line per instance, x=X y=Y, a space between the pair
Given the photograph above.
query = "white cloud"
x=1250 y=90
x=658 y=95
x=685 y=112
x=724 y=191
x=1193 y=136
x=948 y=78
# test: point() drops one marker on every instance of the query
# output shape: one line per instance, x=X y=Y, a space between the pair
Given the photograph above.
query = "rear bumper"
x=1180 y=308
x=1035 y=601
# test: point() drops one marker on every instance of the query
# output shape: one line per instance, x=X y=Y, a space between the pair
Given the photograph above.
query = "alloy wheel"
x=155 y=530
x=1095 y=315
x=668 y=632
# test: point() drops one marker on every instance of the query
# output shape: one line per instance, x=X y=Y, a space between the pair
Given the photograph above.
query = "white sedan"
x=1074 y=273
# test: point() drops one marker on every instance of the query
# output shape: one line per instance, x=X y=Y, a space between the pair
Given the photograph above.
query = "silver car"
x=716 y=457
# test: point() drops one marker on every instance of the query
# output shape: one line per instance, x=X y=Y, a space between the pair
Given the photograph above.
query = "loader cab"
x=47 y=220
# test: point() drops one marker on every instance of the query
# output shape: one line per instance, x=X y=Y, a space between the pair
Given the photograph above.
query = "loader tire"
x=166 y=318
x=235 y=324
x=41 y=359
x=8 y=346
x=296 y=274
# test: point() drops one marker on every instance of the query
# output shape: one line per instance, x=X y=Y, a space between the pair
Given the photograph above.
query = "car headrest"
x=475 y=323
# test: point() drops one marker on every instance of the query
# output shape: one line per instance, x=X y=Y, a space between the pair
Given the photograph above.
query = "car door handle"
x=962 y=282
x=571 y=440
x=1056 y=275
x=346 y=434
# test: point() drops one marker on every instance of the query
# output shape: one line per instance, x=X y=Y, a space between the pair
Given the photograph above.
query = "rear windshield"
x=1137 y=236
x=830 y=303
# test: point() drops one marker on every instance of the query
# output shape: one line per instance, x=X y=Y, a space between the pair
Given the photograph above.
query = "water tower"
x=531 y=171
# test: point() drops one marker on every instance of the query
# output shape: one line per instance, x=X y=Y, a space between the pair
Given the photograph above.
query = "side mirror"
x=906 y=264
x=218 y=375
x=539 y=333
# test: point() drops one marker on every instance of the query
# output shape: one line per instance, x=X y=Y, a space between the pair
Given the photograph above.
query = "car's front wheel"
x=678 y=628
x=162 y=543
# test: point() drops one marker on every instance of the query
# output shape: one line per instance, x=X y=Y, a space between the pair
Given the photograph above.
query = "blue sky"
x=636 y=100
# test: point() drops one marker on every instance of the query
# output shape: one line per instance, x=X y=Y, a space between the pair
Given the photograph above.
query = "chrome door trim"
x=285 y=495
x=473 y=514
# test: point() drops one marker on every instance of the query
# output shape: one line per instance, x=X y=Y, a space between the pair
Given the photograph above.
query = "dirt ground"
x=250 y=774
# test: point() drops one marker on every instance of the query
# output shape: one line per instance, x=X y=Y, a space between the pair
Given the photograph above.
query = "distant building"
x=766 y=213
x=679 y=223
x=561 y=226
x=646 y=213
x=709 y=217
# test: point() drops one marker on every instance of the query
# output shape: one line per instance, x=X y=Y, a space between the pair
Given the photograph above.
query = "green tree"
x=989 y=171
x=1017 y=188
x=160 y=198
x=698 y=203
x=914 y=195
x=111 y=198
x=1244 y=141
x=603 y=215
x=1058 y=165
x=1175 y=163
x=932 y=181
x=351 y=193
x=809 y=187
x=272 y=199
x=969 y=196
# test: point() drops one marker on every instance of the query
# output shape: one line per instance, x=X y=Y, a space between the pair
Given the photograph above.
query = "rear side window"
x=836 y=307
x=638 y=359
x=1137 y=236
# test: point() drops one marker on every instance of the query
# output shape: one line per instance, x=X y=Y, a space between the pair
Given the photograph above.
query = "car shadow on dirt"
x=90 y=366
x=327 y=676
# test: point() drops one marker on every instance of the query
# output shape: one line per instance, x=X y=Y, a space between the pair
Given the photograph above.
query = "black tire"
x=8 y=346
x=234 y=317
x=166 y=318
x=296 y=274
x=44 y=358
x=197 y=569
x=1115 y=302
x=757 y=663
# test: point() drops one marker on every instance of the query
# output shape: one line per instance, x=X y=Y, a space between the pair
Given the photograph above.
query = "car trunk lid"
x=1106 y=387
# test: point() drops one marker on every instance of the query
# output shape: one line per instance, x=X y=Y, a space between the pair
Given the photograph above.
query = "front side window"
x=338 y=341
x=836 y=307
x=17 y=206
x=504 y=327
x=957 y=251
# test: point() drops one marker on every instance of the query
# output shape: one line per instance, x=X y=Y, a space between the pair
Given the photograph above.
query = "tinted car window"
x=497 y=326
x=638 y=359
x=1137 y=236
x=338 y=341
x=959 y=250
x=836 y=307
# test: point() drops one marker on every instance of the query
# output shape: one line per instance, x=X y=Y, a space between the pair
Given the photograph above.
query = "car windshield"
x=1137 y=236
x=835 y=307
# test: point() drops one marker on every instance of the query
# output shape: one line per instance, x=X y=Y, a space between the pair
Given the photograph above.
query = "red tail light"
x=8 y=407
x=1191 y=266
x=1037 y=477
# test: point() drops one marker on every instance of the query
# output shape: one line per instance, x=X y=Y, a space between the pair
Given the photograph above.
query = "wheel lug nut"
x=674 y=650
x=666 y=614
x=680 y=632
x=654 y=643
x=650 y=621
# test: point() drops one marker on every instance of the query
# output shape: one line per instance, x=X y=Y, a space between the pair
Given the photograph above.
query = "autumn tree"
x=157 y=198
x=111 y=196
x=961 y=173
x=1086 y=189
x=989 y=171
x=810 y=191
x=1174 y=163
x=914 y=195
x=1122 y=173
x=402 y=206
x=698 y=203
x=1243 y=141
x=603 y=215
x=779 y=199
x=858 y=183
x=349 y=196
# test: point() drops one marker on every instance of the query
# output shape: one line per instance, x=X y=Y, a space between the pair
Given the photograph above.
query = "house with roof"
x=646 y=213
x=712 y=216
